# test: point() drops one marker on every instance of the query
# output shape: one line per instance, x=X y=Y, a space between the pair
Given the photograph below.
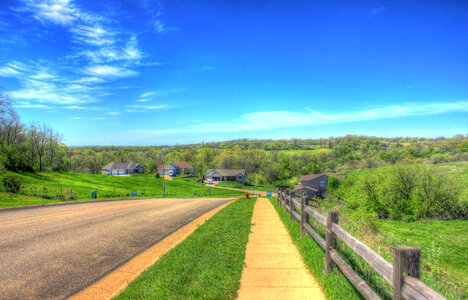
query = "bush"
x=333 y=184
x=11 y=183
x=411 y=192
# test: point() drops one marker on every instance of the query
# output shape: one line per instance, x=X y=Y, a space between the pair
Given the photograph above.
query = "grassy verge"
x=207 y=265
x=335 y=284
x=443 y=243
x=232 y=184
x=42 y=188
x=444 y=249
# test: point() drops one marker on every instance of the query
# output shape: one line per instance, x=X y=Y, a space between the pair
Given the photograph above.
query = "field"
x=42 y=188
x=299 y=152
x=206 y=265
x=232 y=184
x=443 y=243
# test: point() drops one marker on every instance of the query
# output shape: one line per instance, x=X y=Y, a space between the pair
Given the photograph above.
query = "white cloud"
x=25 y=104
x=207 y=68
x=270 y=120
x=8 y=72
x=109 y=71
x=114 y=113
x=145 y=95
x=378 y=10
x=90 y=80
x=145 y=108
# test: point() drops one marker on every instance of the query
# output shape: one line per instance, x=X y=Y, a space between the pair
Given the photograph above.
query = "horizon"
x=154 y=73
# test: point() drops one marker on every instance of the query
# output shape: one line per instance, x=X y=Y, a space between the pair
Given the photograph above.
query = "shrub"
x=11 y=183
x=333 y=184
x=411 y=192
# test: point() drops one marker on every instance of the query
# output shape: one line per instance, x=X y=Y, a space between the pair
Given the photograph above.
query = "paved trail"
x=52 y=252
x=274 y=267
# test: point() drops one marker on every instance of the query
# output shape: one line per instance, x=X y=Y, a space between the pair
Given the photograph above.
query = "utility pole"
x=164 y=173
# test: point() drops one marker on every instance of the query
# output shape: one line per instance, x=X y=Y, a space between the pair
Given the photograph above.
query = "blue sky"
x=175 y=72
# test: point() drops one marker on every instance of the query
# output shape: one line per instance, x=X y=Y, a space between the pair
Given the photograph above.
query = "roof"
x=314 y=176
x=300 y=187
x=225 y=172
x=182 y=164
x=120 y=165
x=169 y=166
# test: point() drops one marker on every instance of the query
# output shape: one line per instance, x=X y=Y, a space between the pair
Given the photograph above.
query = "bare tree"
x=10 y=125
x=39 y=136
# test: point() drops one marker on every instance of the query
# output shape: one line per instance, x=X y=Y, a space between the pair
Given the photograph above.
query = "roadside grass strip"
x=206 y=265
x=335 y=284
x=56 y=187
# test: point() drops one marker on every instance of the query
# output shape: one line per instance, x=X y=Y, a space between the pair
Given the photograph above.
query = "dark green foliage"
x=11 y=183
x=333 y=184
x=405 y=192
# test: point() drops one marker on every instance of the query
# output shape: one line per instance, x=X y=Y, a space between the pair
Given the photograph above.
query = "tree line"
x=39 y=147
x=32 y=147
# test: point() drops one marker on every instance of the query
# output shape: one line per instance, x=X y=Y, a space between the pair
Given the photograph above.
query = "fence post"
x=405 y=259
x=291 y=206
x=330 y=241
x=285 y=200
x=304 y=215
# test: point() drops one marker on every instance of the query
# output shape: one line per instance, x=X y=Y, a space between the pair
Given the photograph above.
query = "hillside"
x=40 y=188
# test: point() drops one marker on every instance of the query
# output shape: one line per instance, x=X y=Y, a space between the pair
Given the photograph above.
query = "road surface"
x=52 y=252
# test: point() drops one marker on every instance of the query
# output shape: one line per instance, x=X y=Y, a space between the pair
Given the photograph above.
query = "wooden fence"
x=406 y=259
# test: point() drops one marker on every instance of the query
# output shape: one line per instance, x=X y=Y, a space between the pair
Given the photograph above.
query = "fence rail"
x=406 y=259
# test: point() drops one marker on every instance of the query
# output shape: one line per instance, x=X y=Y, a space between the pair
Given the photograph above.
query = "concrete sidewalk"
x=274 y=267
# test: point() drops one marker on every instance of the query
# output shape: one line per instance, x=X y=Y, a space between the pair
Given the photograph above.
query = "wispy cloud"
x=378 y=10
x=206 y=68
x=270 y=120
x=109 y=71
x=41 y=84
x=98 y=42
x=145 y=108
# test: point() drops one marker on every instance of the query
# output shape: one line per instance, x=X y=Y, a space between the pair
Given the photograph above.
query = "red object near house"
x=247 y=195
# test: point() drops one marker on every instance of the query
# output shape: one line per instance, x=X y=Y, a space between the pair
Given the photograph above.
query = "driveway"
x=54 y=251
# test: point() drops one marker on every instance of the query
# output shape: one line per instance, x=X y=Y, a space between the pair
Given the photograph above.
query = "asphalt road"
x=52 y=252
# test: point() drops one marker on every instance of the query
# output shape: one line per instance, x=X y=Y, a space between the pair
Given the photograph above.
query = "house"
x=184 y=167
x=318 y=182
x=169 y=169
x=122 y=168
x=301 y=190
x=225 y=175
x=175 y=168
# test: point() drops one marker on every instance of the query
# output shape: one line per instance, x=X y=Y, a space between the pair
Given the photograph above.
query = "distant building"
x=175 y=168
x=168 y=170
x=184 y=167
x=317 y=182
x=309 y=192
x=226 y=175
x=122 y=168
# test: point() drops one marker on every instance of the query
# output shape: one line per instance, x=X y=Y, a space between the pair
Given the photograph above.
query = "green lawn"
x=444 y=249
x=207 y=265
x=233 y=184
x=49 y=187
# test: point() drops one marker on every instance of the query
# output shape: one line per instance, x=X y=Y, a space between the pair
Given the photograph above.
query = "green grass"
x=443 y=243
x=444 y=249
x=107 y=187
x=233 y=184
x=312 y=151
x=335 y=285
x=207 y=265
